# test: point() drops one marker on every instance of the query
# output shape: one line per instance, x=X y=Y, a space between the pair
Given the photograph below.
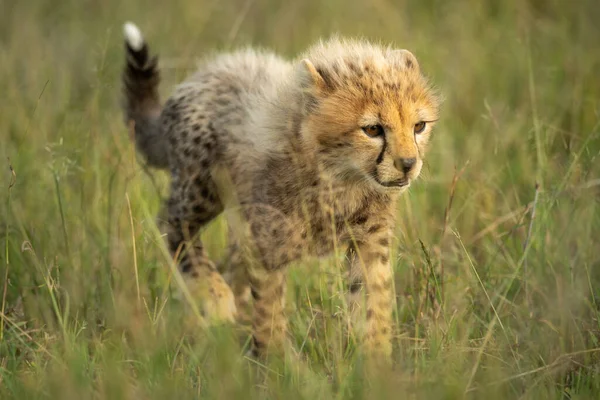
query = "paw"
x=237 y=280
x=214 y=298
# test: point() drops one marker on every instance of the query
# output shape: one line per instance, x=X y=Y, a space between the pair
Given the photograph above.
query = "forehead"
x=386 y=92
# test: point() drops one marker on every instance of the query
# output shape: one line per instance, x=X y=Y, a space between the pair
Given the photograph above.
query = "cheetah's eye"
x=373 y=130
x=420 y=127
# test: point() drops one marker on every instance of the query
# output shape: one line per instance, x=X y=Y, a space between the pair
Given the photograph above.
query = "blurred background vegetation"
x=497 y=254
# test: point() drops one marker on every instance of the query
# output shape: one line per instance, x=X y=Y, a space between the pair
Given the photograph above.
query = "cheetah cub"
x=311 y=154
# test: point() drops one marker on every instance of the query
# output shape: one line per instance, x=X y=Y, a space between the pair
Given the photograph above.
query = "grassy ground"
x=497 y=259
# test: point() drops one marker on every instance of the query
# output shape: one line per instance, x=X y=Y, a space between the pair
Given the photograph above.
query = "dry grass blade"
x=455 y=179
x=512 y=215
x=560 y=361
x=528 y=238
x=135 y=263
x=13 y=180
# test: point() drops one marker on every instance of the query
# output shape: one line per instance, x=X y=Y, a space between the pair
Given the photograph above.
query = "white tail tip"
x=133 y=36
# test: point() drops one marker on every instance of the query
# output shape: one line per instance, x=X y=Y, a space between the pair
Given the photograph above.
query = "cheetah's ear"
x=310 y=78
x=406 y=58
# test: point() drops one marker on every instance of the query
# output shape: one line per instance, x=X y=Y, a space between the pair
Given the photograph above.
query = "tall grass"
x=496 y=259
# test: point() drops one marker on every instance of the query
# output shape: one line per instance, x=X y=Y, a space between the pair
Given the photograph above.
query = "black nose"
x=404 y=164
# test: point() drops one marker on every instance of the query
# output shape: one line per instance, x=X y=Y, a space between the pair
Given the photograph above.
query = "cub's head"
x=367 y=112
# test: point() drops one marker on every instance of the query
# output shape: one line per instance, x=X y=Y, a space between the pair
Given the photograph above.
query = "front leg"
x=275 y=243
x=371 y=257
x=269 y=323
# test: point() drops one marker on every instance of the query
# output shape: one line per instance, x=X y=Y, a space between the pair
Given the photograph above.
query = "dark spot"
x=384 y=258
x=409 y=63
x=370 y=314
x=355 y=286
x=261 y=312
x=185 y=265
x=256 y=227
x=196 y=127
x=374 y=228
x=198 y=209
x=384 y=242
x=339 y=225
x=255 y=294
x=204 y=192
x=360 y=219
x=173 y=245
x=353 y=67
x=222 y=102
x=197 y=140
x=211 y=127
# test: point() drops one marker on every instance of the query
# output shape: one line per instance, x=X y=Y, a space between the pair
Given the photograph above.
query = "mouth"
x=395 y=183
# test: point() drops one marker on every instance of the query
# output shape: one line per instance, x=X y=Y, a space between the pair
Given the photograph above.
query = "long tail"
x=141 y=99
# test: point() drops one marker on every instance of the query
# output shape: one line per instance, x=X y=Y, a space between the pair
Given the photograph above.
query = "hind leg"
x=234 y=270
x=191 y=206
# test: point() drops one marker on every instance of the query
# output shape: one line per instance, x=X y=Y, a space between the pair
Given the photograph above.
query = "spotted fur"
x=283 y=146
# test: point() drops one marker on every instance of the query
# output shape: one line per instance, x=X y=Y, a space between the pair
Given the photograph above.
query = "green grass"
x=492 y=301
